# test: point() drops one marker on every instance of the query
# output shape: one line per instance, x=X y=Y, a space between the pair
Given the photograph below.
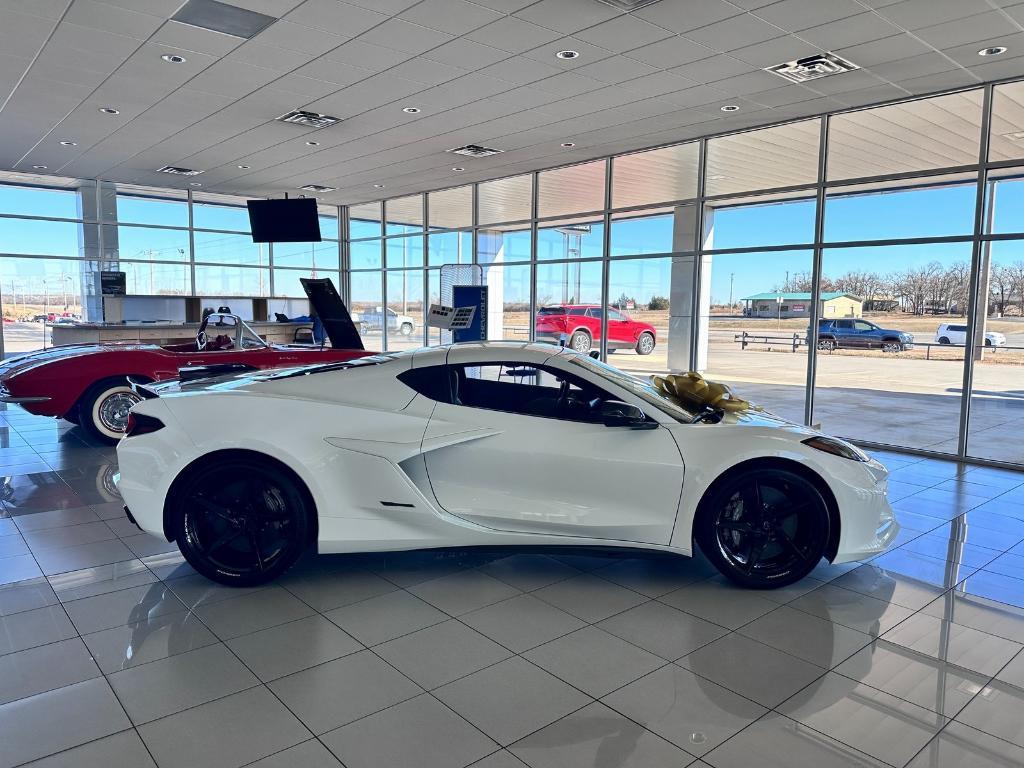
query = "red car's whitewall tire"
x=103 y=410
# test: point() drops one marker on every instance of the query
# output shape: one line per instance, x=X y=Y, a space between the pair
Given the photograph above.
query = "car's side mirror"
x=614 y=413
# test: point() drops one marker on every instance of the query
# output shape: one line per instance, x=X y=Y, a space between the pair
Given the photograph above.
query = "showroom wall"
x=914 y=208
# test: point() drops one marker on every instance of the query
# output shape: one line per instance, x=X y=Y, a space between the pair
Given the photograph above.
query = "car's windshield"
x=642 y=389
x=248 y=338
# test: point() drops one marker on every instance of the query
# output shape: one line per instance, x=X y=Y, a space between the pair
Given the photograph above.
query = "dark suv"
x=854 y=333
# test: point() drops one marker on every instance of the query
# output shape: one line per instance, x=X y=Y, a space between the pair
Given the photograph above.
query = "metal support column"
x=816 y=266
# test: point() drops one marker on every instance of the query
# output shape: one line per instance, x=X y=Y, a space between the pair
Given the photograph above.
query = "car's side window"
x=526 y=389
x=862 y=325
x=613 y=315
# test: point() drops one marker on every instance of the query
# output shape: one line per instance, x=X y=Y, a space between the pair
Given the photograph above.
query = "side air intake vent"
x=179 y=171
x=475 y=150
x=628 y=5
x=317 y=188
x=309 y=119
x=813 y=68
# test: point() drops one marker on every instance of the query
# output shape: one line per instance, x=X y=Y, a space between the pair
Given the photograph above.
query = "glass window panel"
x=759 y=221
x=653 y=231
x=508 y=297
x=575 y=189
x=365 y=254
x=364 y=220
x=566 y=287
x=769 y=365
x=34 y=289
x=45 y=238
x=657 y=176
x=145 y=243
x=323 y=254
x=226 y=217
x=152 y=210
x=502 y=200
x=1004 y=213
x=638 y=292
x=904 y=292
x=450 y=248
x=433 y=297
x=35 y=201
x=934 y=207
x=328 y=225
x=404 y=252
x=221 y=248
x=911 y=136
x=404 y=215
x=405 y=309
x=154 y=278
x=367 y=296
x=999 y=354
x=231 y=281
x=571 y=239
x=286 y=281
x=451 y=208
x=502 y=245
x=1006 y=141
x=783 y=156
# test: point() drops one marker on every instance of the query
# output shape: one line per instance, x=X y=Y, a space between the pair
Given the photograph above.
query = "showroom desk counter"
x=161 y=333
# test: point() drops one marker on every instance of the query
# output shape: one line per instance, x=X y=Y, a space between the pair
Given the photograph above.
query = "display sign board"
x=113 y=283
x=471 y=296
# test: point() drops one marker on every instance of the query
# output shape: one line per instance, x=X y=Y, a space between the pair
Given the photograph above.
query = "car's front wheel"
x=764 y=527
x=406 y=329
x=103 y=409
x=892 y=346
x=645 y=344
x=240 y=522
x=944 y=340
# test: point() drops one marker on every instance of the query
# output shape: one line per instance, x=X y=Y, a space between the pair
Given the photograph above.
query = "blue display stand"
x=471 y=296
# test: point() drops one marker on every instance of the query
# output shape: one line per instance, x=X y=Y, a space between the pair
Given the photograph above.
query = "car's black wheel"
x=645 y=344
x=581 y=342
x=240 y=522
x=944 y=340
x=988 y=342
x=103 y=409
x=406 y=329
x=892 y=346
x=826 y=345
x=763 y=528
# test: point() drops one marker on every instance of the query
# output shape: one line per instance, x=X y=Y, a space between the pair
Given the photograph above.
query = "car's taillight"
x=139 y=424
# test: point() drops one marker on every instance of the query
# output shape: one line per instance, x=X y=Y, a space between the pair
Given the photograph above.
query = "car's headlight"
x=836 y=448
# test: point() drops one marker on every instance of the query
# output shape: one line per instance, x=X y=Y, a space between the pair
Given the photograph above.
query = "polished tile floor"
x=115 y=653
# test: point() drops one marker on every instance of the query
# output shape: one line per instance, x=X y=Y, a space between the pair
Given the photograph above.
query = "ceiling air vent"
x=628 y=5
x=813 y=68
x=179 y=171
x=308 y=119
x=317 y=188
x=475 y=150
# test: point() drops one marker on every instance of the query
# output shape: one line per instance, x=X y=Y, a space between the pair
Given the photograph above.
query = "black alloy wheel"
x=764 y=528
x=241 y=522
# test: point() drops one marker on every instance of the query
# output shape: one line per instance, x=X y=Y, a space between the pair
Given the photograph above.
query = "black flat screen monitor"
x=284 y=221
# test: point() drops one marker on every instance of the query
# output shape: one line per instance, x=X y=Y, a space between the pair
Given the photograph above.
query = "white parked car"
x=949 y=333
x=494 y=443
x=374 y=321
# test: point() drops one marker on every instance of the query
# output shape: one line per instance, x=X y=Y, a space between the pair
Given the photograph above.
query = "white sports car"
x=496 y=443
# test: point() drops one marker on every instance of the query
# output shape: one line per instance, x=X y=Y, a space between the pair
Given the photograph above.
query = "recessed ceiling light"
x=173 y=58
x=568 y=144
x=195 y=183
x=69 y=143
x=110 y=111
x=378 y=186
x=568 y=54
x=730 y=108
x=458 y=169
x=39 y=167
x=312 y=143
x=411 y=110
x=995 y=50
x=244 y=167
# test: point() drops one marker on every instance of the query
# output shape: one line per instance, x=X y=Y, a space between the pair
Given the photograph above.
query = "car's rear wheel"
x=240 y=522
x=764 y=528
x=581 y=342
x=944 y=340
x=103 y=409
x=826 y=345
x=645 y=344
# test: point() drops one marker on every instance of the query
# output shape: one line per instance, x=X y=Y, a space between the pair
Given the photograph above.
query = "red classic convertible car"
x=89 y=383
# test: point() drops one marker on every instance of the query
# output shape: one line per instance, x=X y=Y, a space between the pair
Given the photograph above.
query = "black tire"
x=645 y=343
x=406 y=329
x=944 y=340
x=988 y=342
x=763 y=528
x=581 y=342
x=827 y=345
x=103 y=409
x=892 y=345
x=240 y=522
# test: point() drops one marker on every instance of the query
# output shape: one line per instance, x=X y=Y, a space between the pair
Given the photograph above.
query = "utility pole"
x=731 y=276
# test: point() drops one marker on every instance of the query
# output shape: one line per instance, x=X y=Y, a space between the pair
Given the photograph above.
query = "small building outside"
x=787 y=304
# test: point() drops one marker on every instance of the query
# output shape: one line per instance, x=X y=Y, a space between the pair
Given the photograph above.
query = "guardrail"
x=795 y=341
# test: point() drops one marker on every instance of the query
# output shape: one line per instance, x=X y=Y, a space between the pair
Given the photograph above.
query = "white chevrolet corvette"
x=487 y=444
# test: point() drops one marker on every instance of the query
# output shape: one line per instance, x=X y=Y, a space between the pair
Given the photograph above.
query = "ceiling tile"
x=623 y=34
x=427 y=71
x=967 y=55
x=777 y=51
x=735 y=32
x=305 y=89
x=915 y=14
x=587 y=53
x=284 y=34
x=520 y=70
x=230 y=78
x=121 y=21
x=189 y=38
x=915 y=66
x=513 y=35
x=657 y=84
x=713 y=68
x=749 y=84
x=568 y=16
x=268 y=56
x=569 y=84
x=794 y=15
x=671 y=53
x=980 y=28
x=957 y=78
x=853 y=30
x=340 y=19
x=682 y=17
x=455 y=16
x=616 y=69
x=359 y=53
x=405 y=36
x=333 y=72
x=900 y=46
x=467 y=54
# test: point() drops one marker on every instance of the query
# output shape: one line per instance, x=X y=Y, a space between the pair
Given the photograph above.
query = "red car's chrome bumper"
x=7 y=397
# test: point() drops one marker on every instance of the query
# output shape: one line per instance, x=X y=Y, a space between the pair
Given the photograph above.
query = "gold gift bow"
x=690 y=390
